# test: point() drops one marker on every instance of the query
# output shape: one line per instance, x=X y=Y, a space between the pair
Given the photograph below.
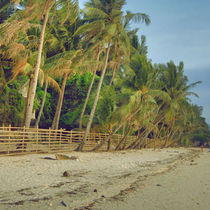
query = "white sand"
x=31 y=182
x=185 y=187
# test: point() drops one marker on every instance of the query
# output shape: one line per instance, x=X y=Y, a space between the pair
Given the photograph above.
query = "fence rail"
x=21 y=140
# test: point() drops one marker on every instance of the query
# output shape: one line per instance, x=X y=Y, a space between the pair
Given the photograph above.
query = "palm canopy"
x=105 y=21
x=173 y=81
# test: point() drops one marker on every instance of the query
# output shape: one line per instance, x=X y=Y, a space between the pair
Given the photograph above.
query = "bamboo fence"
x=21 y=140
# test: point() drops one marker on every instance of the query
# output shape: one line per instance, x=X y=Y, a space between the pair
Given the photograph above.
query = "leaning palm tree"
x=47 y=6
x=98 y=52
x=63 y=65
x=23 y=20
x=141 y=99
x=106 y=26
x=174 y=82
x=51 y=82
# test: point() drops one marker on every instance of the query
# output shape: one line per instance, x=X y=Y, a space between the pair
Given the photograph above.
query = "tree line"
x=87 y=69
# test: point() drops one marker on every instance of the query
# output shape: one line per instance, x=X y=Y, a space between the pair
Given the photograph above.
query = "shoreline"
x=186 y=186
x=32 y=182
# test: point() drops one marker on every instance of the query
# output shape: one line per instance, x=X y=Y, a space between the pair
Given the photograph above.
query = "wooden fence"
x=21 y=140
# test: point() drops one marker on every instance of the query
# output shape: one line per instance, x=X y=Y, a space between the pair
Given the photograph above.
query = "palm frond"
x=54 y=84
x=94 y=13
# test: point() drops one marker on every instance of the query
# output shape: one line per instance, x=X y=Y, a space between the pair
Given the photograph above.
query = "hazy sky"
x=179 y=31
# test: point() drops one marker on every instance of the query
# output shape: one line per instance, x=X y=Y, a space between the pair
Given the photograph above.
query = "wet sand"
x=146 y=179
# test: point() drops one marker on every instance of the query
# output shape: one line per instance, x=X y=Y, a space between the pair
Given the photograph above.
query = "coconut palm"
x=49 y=81
x=32 y=12
x=99 y=51
x=106 y=26
x=174 y=82
x=63 y=65
x=140 y=107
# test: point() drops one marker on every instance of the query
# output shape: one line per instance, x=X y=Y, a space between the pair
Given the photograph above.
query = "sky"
x=179 y=31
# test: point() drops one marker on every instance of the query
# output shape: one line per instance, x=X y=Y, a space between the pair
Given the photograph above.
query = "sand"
x=144 y=179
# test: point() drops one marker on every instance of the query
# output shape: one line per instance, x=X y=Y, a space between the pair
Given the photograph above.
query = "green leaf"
x=112 y=29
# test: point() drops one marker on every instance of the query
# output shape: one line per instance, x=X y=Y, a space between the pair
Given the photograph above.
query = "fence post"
x=94 y=140
x=49 y=140
x=9 y=138
x=60 y=138
x=24 y=130
x=70 y=137
x=37 y=139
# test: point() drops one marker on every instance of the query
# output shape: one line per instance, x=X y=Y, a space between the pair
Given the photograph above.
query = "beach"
x=172 y=178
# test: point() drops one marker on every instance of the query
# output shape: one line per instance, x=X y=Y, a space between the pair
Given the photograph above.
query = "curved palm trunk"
x=89 y=90
x=116 y=129
x=36 y=73
x=28 y=95
x=123 y=139
x=174 y=141
x=2 y=80
x=21 y=145
x=113 y=75
x=60 y=103
x=80 y=147
x=42 y=105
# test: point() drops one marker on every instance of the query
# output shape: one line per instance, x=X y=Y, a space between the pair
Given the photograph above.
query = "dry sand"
x=144 y=179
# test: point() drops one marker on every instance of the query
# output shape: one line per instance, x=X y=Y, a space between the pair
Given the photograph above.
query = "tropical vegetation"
x=88 y=70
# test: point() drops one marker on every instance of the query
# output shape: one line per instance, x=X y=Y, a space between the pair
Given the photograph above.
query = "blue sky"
x=179 y=31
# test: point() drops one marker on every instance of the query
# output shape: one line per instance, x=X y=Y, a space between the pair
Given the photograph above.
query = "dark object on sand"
x=48 y=158
x=63 y=203
x=19 y=202
x=66 y=174
x=95 y=190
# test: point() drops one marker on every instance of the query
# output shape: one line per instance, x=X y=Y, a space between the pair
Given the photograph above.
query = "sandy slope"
x=97 y=180
x=186 y=187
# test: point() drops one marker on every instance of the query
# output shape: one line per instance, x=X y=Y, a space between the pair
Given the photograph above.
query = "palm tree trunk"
x=136 y=141
x=174 y=141
x=60 y=103
x=2 y=80
x=80 y=147
x=28 y=95
x=123 y=139
x=113 y=75
x=115 y=131
x=42 y=105
x=36 y=73
x=88 y=94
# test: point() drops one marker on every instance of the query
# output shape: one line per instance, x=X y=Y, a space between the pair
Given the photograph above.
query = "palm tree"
x=90 y=87
x=139 y=110
x=47 y=6
x=63 y=65
x=51 y=82
x=105 y=25
x=30 y=13
x=174 y=82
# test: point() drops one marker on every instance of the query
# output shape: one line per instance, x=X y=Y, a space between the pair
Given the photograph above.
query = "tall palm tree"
x=47 y=7
x=140 y=107
x=174 y=82
x=49 y=81
x=99 y=51
x=31 y=13
x=63 y=65
x=106 y=24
